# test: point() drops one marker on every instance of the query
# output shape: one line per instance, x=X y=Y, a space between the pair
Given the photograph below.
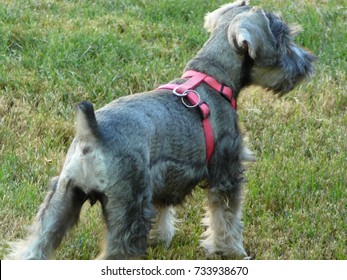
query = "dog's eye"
x=86 y=150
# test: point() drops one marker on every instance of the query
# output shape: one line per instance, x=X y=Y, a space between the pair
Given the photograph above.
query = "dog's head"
x=267 y=42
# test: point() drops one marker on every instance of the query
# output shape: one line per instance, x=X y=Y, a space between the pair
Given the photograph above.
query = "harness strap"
x=186 y=92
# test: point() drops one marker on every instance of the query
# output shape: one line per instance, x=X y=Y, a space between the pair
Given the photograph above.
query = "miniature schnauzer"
x=141 y=155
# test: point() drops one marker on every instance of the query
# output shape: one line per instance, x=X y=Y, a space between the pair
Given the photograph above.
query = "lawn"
x=54 y=54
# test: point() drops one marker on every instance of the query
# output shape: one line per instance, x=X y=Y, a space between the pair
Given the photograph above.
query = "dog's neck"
x=218 y=59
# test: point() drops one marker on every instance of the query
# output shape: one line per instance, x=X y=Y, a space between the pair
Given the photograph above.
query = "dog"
x=142 y=154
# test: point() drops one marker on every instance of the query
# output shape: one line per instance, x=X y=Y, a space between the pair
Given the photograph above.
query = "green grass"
x=54 y=54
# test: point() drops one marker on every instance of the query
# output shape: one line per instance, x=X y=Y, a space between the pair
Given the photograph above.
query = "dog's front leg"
x=164 y=226
x=223 y=221
x=224 y=228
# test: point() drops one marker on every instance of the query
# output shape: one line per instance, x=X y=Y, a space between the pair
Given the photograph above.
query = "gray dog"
x=141 y=155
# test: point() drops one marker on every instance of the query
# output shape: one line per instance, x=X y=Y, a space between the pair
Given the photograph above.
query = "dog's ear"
x=250 y=32
x=212 y=19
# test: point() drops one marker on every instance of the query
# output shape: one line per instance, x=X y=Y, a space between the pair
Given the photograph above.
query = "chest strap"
x=186 y=92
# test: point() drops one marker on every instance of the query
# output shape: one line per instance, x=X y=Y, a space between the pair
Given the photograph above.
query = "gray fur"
x=143 y=154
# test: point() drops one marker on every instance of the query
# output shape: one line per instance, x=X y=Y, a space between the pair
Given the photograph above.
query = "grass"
x=54 y=54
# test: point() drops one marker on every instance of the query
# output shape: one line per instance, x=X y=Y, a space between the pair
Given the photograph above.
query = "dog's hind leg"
x=128 y=211
x=58 y=213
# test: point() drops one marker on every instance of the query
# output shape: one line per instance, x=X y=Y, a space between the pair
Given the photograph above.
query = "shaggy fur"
x=141 y=155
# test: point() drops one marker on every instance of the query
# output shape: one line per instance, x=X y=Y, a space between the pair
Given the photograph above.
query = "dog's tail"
x=86 y=124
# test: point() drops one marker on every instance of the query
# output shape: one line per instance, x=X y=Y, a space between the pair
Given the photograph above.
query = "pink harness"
x=187 y=92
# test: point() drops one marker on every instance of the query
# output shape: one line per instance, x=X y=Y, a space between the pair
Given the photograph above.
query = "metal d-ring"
x=194 y=105
x=174 y=91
